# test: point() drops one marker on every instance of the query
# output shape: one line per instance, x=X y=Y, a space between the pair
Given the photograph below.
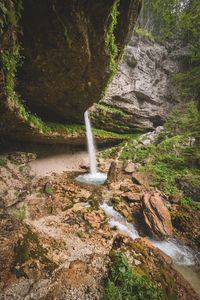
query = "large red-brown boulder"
x=157 y=216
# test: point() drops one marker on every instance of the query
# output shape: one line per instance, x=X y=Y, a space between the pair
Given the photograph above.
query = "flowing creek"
x=184 y=258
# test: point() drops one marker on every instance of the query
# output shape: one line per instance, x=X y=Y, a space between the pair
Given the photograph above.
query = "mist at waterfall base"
x=94 y=176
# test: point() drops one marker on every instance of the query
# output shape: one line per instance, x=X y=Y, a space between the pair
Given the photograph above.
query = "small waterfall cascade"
x=94 y=176
x=181 y=254
x=91 y=145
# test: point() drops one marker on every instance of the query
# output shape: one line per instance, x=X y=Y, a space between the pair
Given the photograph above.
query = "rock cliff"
x=144 y=90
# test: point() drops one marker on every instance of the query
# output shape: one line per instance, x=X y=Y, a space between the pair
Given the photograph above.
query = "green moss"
x=79 y=234
x=181 y=221
x=27 y=248
x=3 y=17
x=169 y=288
x=135 y=153
x=67 y=207
x=110 y=43
x=145 y=33
x=110 y=37
x=106 y=134
x=3 y=162
x=20 y=213
x=110 y=153
x=111 y=109
x=185 y=200
x=10 y=59
x=69 y=41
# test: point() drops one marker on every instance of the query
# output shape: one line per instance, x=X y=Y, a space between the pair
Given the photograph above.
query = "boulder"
x=141 y=178
x=130 y=168
x=175 y=198
x=156 y=216
x=114 y=172
x=132 y=197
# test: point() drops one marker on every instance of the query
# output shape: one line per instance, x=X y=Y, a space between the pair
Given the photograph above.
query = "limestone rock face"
x=157 y=216
x=67 y=63
x=143 y=89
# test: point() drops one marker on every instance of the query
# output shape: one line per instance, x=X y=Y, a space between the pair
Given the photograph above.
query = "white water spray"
x=93 y=176
x=90 y=143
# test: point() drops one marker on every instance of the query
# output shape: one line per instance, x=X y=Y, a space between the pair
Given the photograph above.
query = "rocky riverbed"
x=56 y=240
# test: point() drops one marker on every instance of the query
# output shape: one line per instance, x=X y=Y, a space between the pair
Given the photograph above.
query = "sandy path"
x=58 y=163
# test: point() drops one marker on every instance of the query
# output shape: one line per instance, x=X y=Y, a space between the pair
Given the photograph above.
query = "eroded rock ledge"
x=68 y=51
x=63 y=74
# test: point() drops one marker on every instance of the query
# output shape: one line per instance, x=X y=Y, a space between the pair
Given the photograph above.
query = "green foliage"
x=10 y=60
x=3 y=16
x=135 y=153
x=189 y=202
x=20 y=213
x=176 y=155
x=145 y=33
x=66 y=35
x=79 y=234
x=111 y=109
x=21 y=168
x=27 y=248
x=69 y=129
x=19 y=9
x=69 y=42
x=124 y=283
x=185 y=123
x=49 y=189
x=189 y=80
x=104 y=133
x=3 y=162
x=110 y=38
x=110 y=153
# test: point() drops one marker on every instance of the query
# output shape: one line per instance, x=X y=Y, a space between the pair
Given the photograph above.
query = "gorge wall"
x=143 y=91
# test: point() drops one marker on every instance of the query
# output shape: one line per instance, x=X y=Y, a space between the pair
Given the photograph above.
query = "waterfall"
x=90 y=143
x=94 y=176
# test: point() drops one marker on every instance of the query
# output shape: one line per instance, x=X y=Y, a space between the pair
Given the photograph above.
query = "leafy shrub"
x=124 y=283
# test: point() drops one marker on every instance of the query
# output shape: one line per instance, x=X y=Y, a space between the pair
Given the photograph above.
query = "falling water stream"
x=93 y=176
